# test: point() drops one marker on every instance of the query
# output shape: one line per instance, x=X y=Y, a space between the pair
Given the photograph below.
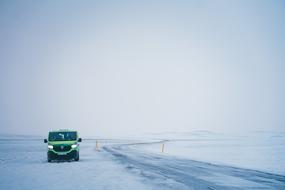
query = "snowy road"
x=119 y=165
x=174 y=173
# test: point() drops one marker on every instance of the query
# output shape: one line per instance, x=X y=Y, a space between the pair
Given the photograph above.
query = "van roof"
x=63 y=130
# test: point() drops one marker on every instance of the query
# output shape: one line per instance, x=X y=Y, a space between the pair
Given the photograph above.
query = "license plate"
x=61 y=153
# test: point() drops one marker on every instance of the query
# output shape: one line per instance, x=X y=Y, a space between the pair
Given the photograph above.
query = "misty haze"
x=150 y=94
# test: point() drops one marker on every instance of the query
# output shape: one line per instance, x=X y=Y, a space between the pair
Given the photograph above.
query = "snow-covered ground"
x=23 y=166
x=262 y=151
x=126 y=164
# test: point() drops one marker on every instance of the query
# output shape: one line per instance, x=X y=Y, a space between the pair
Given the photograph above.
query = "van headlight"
x=50 y=147
x=74 y=145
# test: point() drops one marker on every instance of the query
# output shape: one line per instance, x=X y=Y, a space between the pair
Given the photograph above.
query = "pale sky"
x=133 y=67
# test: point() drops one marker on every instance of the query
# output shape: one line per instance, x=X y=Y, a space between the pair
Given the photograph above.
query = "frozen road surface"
x=120 y=165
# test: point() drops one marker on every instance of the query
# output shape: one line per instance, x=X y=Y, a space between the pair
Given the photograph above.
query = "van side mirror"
x=79 y=140
x=45 y=141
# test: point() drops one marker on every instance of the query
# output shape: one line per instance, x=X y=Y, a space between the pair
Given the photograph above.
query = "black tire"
x=48 y=158
x=77 y=157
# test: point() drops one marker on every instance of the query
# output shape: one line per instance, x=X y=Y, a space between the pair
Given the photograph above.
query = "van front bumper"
x=52 y=155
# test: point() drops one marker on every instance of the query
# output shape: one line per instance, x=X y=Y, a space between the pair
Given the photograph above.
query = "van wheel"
x=77 y=157
x=48 y=158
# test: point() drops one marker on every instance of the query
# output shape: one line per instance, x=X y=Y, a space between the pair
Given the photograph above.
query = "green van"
x=63 y=145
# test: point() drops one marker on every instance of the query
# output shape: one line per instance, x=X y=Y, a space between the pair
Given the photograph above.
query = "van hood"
x=62 y=142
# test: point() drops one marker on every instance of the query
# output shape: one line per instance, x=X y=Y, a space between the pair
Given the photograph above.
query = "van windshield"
x=62 y=136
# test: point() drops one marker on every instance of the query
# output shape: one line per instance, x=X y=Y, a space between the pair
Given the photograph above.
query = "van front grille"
x=61 y=148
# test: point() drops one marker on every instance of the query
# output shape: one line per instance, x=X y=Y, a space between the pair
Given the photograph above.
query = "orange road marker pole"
x=97 y=145
x=162 y=148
